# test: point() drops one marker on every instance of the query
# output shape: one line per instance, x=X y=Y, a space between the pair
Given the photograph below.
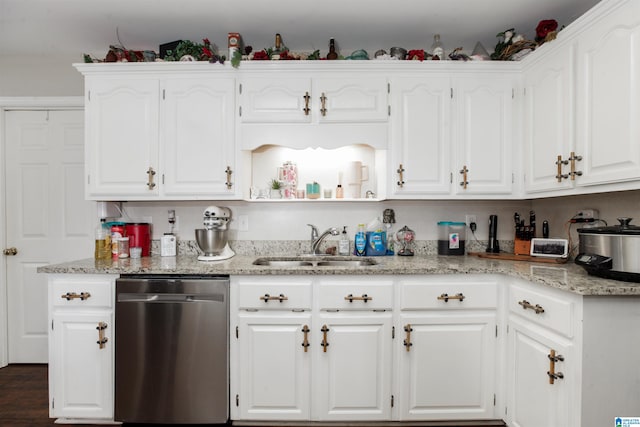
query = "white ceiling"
x=50 y=27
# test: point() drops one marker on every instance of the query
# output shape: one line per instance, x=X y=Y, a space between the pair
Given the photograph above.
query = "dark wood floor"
x=24 y=402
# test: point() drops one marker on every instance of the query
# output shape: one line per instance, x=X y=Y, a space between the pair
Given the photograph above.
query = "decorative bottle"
x=332 y=50
x=278 y=47
x=437 y=49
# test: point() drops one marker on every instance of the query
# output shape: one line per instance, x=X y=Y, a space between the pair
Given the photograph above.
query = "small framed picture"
x=552 y=248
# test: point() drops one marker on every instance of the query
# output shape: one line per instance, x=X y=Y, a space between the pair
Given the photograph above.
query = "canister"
x=451 y=237
x=139 y=236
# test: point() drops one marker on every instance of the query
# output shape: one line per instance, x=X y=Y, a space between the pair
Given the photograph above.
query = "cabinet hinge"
x=52 y=324
x=392 y=400
x=494 y=400
x=240 y=88
x=163 y=94
x=89 y=95
x=240 y=111
x=237 y=332
x=507 y=328
x=451 y=90
x=513 y=178
x=450 y=177
x=388 y=87
x=389 y=110
x=88 y=179
x=513 y=93
x=237 y=400
x=393 y=332
x=53 y=403
x=496 y=331
x=162 y=179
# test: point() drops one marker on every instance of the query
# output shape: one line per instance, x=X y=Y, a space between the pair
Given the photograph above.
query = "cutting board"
x=514 y=257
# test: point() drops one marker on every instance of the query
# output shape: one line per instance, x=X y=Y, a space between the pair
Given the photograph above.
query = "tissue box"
x=376 y=243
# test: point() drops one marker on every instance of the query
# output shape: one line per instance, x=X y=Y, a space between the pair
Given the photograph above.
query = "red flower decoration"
x=545 y=27
x=261 y=56
x=416 y=54
x=206 y=52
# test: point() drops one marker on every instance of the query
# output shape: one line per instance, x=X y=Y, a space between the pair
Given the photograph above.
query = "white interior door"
x=48 y=220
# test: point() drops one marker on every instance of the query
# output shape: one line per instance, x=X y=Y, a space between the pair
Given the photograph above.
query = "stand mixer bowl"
x=211 y=242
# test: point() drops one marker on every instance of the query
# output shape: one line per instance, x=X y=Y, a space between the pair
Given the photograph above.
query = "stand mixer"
x=212 y=239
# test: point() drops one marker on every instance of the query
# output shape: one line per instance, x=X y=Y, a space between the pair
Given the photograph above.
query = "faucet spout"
x=316 y=239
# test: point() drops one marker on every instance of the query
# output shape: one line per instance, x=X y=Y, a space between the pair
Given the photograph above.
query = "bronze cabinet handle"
x=464 y=171
x=407 y=341
x=527 y=305
x=400 y=176
x=553 y=359
x=364 y=298
x=559 y=162
x=324 y=342
x=102 y=340
x=323 y=101
x=446 y=297
x=10 y=251
x=228 y=171
x=83 y=296
x=305 y=340
x=280 y=298
x=306 y=108
x=151 y=173
x=573 y=158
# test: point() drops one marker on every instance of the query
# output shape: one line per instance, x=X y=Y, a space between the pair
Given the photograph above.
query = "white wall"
x=40 y=76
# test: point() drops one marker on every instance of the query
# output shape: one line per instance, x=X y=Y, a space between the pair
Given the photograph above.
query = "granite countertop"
x=568 y=277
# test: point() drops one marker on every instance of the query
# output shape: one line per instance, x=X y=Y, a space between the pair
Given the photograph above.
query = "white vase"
x=275 y=194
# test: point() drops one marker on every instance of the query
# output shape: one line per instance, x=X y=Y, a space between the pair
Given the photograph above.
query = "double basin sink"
x=314 y=261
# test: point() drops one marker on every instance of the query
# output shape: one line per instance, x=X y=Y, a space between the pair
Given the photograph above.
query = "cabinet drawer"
x=355 y=294
x=548 y=309
x=277 y=295
x=82 y=291
x=447 y=296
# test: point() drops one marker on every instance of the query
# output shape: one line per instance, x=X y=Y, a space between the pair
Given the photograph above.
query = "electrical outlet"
x=243 y=222
x=469 y=219
x=587 y=214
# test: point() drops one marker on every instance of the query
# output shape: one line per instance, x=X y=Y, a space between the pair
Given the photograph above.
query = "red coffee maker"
x=139 y=234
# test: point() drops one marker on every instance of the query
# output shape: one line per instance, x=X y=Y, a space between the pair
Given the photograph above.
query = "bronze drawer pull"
x=305 y=341
x=102 y=340
x=526 y=304
x=553 y=359
x=72 y=295
x=324 y=342
x=446 y=297
x=280 y=298
x=364 y=298
x=407 y=341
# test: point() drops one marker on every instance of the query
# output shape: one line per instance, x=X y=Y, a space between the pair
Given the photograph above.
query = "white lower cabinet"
x=298 y=359
x=447 y=348
x=81 y=346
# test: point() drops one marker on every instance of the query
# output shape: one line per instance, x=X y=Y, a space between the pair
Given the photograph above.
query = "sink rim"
x=314 y=261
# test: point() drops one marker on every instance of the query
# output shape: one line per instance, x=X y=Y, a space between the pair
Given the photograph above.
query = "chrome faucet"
x=317 y=239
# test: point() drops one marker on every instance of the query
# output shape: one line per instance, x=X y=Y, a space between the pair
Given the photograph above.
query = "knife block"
x=521 y=247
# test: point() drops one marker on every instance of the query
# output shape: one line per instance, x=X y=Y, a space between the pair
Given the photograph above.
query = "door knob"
x=10 y=251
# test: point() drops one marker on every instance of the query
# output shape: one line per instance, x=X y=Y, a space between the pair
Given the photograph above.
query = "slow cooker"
x=611 y=252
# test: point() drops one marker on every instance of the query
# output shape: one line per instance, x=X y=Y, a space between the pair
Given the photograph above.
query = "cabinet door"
x=351 y=99
x=608 y=98
x=121 y=138
x=352 y=375
x=420 y=120
x=198 y=143
x=80 y=371
x=282 y=99
x=548 y=120
x=483 y=135
x=447 y=366
x=274 y=367
x=532 y=401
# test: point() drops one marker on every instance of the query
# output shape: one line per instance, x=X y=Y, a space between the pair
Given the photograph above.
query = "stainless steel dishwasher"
x=172 y=349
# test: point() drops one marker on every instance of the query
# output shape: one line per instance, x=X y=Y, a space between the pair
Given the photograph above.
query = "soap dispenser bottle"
x=360 y=241
x=343 y=244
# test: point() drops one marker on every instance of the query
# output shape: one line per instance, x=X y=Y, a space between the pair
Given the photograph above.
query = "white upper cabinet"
x=608 y=97
x=548 y=120
x=155 y=135
x=197 y=141
x=452 y=135
x=483 y=134
x=121 y=143
x=282 y=99
x=420 y=121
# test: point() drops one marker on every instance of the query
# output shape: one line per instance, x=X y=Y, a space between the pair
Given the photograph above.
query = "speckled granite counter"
x=568 y=277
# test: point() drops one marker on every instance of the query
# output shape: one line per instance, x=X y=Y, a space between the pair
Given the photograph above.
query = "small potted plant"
x=276 y=189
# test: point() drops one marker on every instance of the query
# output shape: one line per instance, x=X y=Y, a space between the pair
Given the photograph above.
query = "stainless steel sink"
x=311 y=261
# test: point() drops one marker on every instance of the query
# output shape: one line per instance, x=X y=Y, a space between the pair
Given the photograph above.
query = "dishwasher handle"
x=169 y=298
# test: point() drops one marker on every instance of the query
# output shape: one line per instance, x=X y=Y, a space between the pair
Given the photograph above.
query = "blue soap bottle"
x=360 y=241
